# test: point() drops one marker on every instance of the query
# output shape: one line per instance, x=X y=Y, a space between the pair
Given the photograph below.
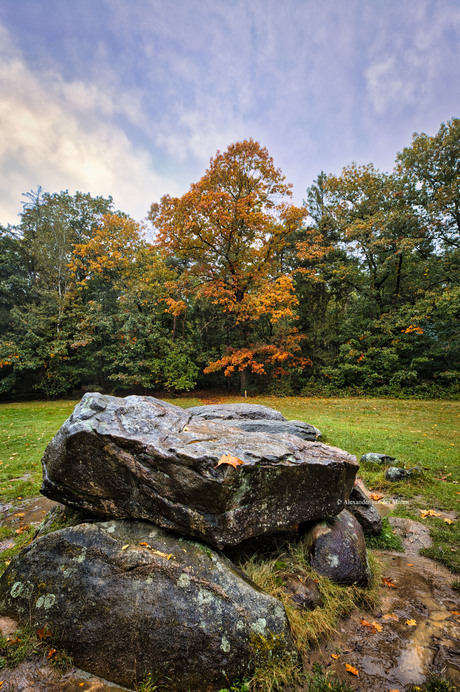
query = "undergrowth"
x=387 y=539
x=307 y=627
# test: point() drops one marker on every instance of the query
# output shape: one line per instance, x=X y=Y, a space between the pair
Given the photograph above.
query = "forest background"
x=231 y=285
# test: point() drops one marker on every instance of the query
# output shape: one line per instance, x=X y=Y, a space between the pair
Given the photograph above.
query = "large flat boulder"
x=137 y=457
x=125 y=598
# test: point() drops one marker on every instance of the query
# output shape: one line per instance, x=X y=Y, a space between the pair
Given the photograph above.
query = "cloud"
x=64 y=136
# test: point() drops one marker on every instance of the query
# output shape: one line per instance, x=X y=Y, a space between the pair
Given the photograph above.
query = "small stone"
x=394 y=474
x=302 y=590
x=338 y=550
x=363 y=509
x=376 y=459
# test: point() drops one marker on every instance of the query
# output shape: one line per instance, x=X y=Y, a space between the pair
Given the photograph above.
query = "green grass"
x=25 y=430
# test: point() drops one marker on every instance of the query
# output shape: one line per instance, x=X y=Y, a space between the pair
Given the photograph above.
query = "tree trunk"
x=244 y=379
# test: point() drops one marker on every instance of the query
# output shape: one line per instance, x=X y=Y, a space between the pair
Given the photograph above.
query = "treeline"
x=232 y=285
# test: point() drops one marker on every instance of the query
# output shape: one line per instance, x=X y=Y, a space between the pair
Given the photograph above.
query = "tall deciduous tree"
x=231 y=231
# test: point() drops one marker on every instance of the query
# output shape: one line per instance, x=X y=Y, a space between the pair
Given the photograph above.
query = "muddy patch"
x=415 y=631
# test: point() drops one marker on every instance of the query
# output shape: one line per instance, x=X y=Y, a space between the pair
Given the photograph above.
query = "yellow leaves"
x=230 y=460
x=388 y=582
x=448 y=521
x=373 y=626
x=51 y=653
x=391 y=616
x=376 y=497
x=125 y=547
x=335 y=656
x=144 y=544
x=411 y=623
x=429 y=513
x=351 y=669
x=412 y=328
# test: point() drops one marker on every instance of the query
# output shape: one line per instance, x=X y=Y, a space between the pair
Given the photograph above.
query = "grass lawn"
x=417 y=433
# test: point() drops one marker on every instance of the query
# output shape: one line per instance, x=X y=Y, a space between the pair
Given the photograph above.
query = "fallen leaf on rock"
x=230 y=460
x=411 y=623
x=168 y=556
x=410 y=564
x=351 y=669
x=376 y=496
x=388 y=582
x=455 y=612
x=390 y=616
x=144 y=543
x=336 y=656
x=376 y=626
x=125 y=546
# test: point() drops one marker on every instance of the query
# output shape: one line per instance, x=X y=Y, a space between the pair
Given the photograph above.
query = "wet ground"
x=415 y=631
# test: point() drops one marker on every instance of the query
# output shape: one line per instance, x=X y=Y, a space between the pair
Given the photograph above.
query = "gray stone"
x=394 y=474
x=363 y=509
x=236 y=411
x=338 y=550
x=302 y=590
x=274 y=427
x=374 y=458
x=124 y=598
x=137 y=458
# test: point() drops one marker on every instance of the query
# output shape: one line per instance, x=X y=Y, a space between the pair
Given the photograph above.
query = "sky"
x=131 y=98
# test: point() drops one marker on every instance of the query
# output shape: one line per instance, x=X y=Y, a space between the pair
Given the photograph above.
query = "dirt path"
x=415 y=631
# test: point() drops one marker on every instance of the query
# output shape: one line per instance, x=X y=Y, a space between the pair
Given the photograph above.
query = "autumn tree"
x=230 y=231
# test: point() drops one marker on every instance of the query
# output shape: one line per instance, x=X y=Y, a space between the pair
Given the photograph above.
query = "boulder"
x=139 y=458
x=363 y=509
x=235 y=412
x=376 y=459
x=338 y=550
x=125 y=598
x=276 y=427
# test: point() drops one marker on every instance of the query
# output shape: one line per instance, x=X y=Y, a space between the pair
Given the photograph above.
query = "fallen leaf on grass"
x=336 y=656
x=51 y=653
x=376 y=496
x=351 y=669
x=429 y=513
x=388 y=582
x=411 y=623
x=448 y=521
x=390 y=616
x=230 y=460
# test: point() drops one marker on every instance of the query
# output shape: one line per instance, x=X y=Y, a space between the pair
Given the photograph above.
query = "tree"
x=432 y=167
x=230 y=231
